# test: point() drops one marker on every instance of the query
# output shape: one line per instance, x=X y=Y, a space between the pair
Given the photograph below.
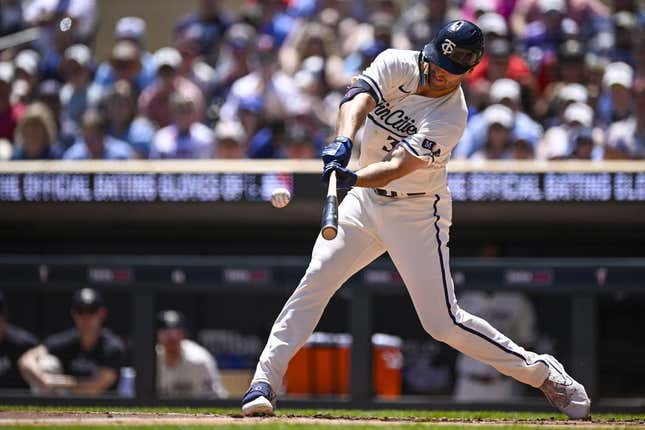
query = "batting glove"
x=345 y=178
x=340 y=151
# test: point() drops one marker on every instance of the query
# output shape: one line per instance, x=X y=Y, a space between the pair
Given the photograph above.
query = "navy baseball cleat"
x=563 y=392
x=259 y=400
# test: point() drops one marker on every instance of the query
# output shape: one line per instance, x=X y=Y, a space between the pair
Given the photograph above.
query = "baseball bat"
x=329 y=227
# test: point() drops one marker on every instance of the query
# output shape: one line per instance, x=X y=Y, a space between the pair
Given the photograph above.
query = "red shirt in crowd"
x=517 y=69
x=9 y=120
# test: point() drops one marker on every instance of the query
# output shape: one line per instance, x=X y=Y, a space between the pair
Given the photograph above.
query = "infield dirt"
x=123 y=419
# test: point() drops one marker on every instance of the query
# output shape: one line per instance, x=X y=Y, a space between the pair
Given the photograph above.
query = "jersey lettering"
x=397 y=119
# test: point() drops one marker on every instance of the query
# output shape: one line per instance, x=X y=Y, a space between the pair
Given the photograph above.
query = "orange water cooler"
x=387 y=365
x=322 y=366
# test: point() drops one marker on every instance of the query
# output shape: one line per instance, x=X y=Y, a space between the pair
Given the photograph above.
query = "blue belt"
x=395 y=194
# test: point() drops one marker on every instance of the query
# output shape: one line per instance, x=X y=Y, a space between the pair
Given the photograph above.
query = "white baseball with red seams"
x=280 y=197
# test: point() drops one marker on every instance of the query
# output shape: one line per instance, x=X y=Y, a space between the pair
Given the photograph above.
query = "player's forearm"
x=352 y=114
x=377 y=175
x=28 y=366
x=396 y=164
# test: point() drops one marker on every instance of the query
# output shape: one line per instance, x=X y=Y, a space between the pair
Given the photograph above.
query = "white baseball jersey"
x=427 y=127
x=195 y=374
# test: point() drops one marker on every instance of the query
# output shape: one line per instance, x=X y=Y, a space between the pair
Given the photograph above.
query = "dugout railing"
x=582 y=281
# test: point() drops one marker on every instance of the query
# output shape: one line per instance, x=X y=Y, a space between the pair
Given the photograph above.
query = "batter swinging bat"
x=329 y=227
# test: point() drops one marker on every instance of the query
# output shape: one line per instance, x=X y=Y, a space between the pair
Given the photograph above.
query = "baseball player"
x=414 y=112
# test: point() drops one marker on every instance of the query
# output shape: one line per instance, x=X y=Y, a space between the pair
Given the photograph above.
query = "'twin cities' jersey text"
x=427 y=127
x=396 y=119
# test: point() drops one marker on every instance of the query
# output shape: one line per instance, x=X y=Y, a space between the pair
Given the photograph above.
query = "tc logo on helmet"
x=447 y=46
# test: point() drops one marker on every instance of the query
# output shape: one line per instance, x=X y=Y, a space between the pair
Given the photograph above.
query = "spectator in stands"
x=557 y=142
x=36 y=135
x=213 y=21
x=47 y=13
x=595 y=66
x=120 y=107
x=499 y=120
x=184 y=368
x=75 y=68
x=582 y=145
x=11 y=16
x=561 y=97
x=125 y=64
x=493 y=25
x=587 y=13
x=544 y=34
x=26 y=70
x=275 y=88
x=235 y=59
x=312 y=40
x=185 y=137
x=625 y=27
x=626 y=139
x=615 y=104
x=90 y=355
x=250 y=113
x=505 y=92
x=14 y=341
x=300 y=146
x=499 y=62
x=9 y=113
x=192 y=67
x=154 y=102
x=95 y=143
x=274 y=20
x=269 y=141
x=129 y=61
x=472 y=10
x=231 y=140
x=566 y=67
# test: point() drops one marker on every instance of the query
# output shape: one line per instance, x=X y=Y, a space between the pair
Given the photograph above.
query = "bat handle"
x=329 y=228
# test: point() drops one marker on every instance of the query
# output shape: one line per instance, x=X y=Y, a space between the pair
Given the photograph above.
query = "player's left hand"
x=339 y=150
x=345 y=178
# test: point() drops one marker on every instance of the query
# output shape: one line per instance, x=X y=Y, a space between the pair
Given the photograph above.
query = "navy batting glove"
x=339 y=150
x=345 y=178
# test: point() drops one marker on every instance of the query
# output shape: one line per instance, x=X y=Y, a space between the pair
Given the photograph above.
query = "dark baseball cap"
x=170 y=319
x=457 y=47
x=86 y=299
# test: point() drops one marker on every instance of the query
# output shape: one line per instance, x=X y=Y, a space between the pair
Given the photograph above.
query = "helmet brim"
x=431 y=54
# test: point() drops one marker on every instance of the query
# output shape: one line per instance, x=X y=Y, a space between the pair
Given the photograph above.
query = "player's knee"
x=441 y=329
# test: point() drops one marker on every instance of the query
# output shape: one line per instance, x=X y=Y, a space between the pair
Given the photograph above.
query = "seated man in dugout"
x=184 y=368
x=85 y=359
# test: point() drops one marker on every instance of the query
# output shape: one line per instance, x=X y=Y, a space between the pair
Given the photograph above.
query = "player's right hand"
x=345 y=178
x=339 y=150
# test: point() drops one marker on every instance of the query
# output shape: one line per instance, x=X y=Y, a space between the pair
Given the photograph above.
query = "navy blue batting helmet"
x=457 y=47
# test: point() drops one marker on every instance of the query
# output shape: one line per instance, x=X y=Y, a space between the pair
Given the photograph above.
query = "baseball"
x=280 y=197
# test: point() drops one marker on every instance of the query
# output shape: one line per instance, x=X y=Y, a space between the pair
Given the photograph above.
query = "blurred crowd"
x=560 y=79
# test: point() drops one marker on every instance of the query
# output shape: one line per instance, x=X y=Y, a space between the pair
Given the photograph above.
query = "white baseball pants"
x=415 y=232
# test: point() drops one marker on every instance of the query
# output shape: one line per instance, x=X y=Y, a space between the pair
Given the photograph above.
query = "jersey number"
x=392 y=141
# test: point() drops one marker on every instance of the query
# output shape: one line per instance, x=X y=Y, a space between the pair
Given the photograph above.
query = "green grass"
x=426 y=419
x=328 y=413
